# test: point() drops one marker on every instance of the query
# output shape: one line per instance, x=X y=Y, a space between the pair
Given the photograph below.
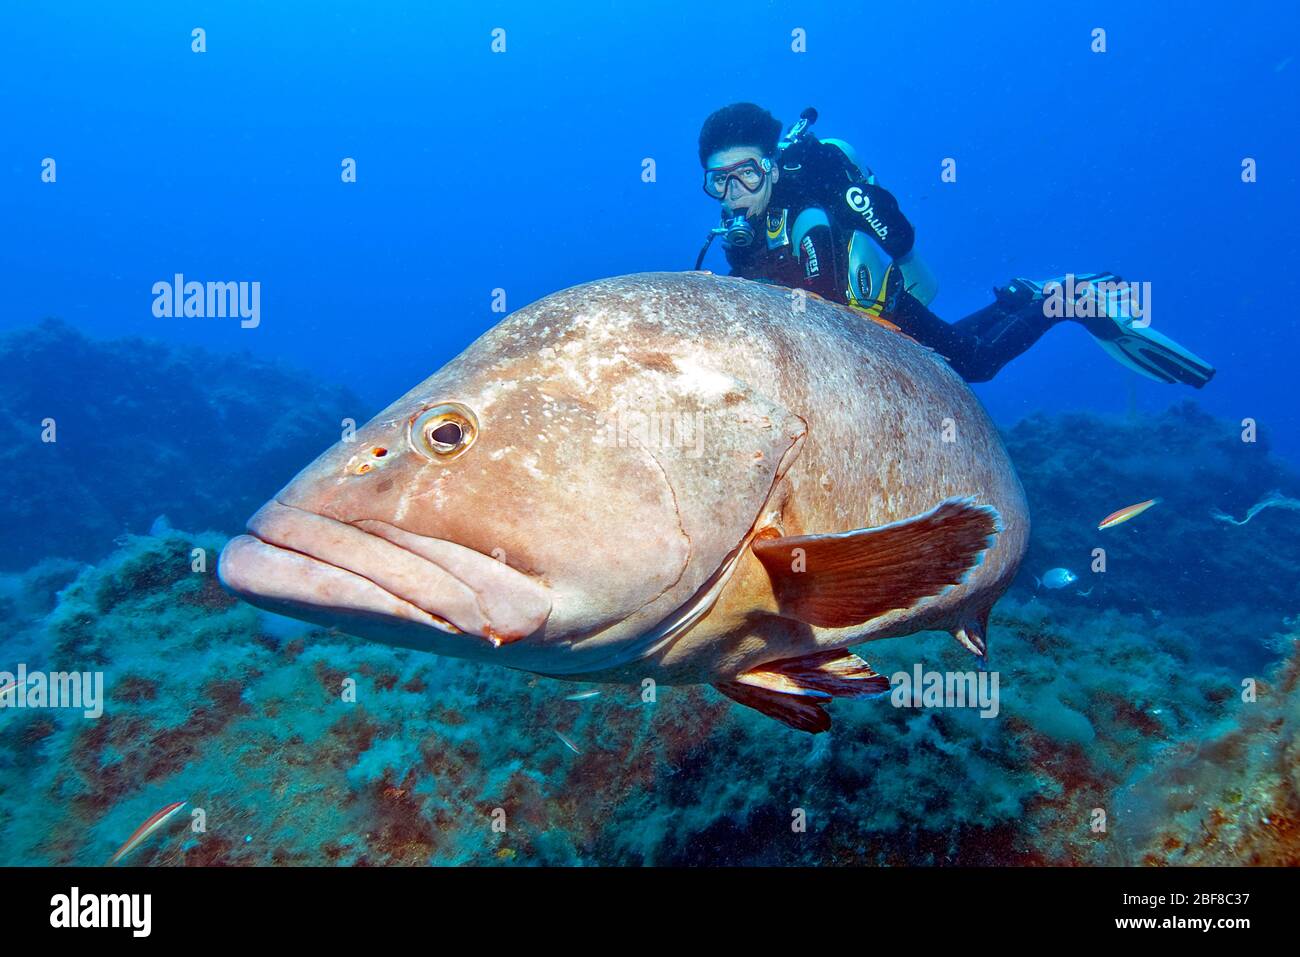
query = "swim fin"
x=1102 y=304
x=1148 y=352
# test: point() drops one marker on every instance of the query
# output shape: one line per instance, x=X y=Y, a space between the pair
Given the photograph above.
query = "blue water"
x=522 y=172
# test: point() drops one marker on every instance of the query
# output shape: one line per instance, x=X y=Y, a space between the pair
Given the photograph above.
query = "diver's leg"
x=978 y=346
x=915 y=319
x=1004 y=329
x=1102 y=303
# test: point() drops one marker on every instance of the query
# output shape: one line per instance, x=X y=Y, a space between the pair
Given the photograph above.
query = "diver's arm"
x=857 y=201
x=874 y=210
x=815 y=252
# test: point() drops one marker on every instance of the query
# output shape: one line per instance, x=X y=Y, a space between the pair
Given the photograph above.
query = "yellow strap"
x=875 y=310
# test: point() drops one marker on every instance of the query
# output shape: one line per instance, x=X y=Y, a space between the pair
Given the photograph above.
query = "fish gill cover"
x=1121 y=699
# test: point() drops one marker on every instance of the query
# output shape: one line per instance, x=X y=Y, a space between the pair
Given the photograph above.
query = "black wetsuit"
x=820 y=176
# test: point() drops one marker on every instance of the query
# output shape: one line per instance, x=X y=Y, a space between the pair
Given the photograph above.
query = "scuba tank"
x=806 y=119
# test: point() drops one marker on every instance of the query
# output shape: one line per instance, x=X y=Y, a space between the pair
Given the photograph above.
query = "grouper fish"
x=680 y=477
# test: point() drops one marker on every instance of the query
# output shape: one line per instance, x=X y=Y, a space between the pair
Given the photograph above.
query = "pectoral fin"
x=794 y=690
x=843 y=579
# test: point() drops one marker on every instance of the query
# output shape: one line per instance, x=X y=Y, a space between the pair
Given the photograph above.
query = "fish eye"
x=448 y=434
x=444 y=431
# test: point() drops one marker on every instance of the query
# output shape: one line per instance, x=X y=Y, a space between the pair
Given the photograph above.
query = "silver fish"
x=675 y=476
x=567 y=743
x=1056 y=578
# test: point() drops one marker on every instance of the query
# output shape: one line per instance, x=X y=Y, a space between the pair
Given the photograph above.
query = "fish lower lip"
x=288 y=581
x=304 y=560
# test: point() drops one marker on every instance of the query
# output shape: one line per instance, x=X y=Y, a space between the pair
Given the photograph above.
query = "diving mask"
x=748 y=173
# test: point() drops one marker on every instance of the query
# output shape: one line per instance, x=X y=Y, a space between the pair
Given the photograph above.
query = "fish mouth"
x=299 y=563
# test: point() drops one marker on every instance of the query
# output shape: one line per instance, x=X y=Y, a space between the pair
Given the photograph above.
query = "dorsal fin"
x=843 y=579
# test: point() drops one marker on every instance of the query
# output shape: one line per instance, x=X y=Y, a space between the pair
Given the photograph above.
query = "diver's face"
x=738 y=201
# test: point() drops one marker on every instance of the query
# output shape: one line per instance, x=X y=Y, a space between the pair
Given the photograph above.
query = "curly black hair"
x=740 y=124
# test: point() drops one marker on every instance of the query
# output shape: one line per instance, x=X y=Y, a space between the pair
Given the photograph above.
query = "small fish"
x=567 y=743
x=1124 y=514
x=1056 y=578
x=151 y=824
x=1085 y=594
x=12 y=686
x=581 y=696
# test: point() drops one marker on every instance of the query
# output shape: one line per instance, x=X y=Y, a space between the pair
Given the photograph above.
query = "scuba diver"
x=800 y=212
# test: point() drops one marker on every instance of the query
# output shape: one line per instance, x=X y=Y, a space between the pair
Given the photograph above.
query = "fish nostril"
x=373 y=458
